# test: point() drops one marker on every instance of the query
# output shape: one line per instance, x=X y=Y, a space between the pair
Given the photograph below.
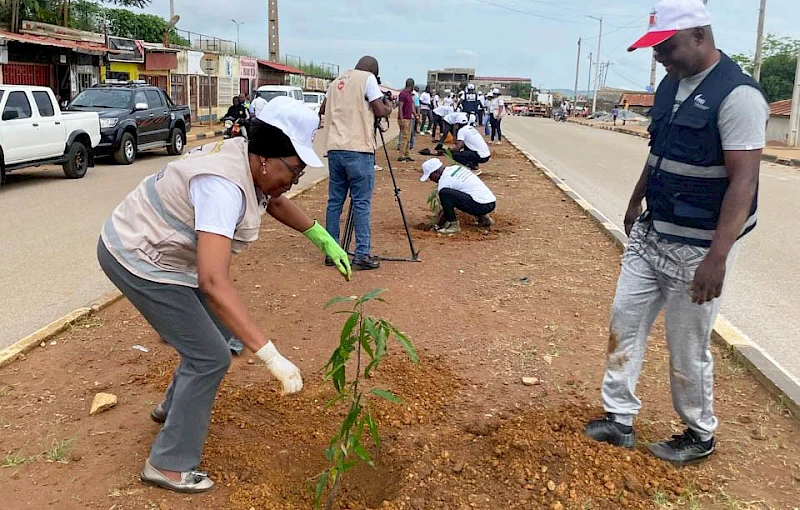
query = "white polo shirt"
x=474 y=141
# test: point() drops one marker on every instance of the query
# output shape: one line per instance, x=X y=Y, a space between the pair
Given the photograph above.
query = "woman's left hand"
x=328 y=245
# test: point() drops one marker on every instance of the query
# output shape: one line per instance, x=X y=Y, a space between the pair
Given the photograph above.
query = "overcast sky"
x=525 y=38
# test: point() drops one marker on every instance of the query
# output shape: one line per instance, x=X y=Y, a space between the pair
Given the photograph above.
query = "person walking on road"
x=353 y=103
x=458 y=189
x=168 y=248
x=405 y=115
x=700 y=183
x=614 y=113
x=257 y=105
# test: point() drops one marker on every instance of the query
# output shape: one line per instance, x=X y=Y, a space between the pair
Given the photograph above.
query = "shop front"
x=159 y=63
x=125 y=61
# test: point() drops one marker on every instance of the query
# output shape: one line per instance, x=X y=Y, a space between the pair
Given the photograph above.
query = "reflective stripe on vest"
x=671 y=229
x=687 y=170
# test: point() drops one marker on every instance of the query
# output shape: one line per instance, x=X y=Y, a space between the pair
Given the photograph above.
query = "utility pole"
x=274 y=36
x=577 y=68
x=794 y=116
x=653 y=73
x=589 y=79
x=759 y=41
x=596 y=73
x=238 y=24
x=171 y=8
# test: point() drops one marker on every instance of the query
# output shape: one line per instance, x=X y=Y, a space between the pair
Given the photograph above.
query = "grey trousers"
x=658 y=274
x=183 y=319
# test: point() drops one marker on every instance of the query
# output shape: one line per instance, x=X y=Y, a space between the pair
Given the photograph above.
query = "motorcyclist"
x=237 y=110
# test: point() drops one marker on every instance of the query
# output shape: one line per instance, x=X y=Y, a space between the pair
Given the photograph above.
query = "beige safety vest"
x=151 y=233
x=348 y=117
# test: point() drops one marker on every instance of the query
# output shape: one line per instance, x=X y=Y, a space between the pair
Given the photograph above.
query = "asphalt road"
x=762 y=296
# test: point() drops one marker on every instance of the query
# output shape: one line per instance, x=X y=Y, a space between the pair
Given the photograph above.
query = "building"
x=504 y=83
x=450 y=79
x=638 y=102
x=778 y=126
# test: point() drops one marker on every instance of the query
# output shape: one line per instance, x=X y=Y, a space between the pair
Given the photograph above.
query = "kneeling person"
x=470 y=149
x=459 y=189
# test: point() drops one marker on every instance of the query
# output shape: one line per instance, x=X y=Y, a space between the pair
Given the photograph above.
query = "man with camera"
x=353 y=104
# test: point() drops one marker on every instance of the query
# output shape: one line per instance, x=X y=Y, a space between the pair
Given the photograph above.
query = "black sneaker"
x=409 y=159
x=364 y=263
x=329 y=262
x=609 y=431
x=684 y=448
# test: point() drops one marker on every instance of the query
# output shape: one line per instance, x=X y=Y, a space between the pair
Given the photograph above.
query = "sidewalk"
x=789 y=156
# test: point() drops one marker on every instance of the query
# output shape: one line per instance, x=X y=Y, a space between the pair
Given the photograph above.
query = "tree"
x=60 y=12
x=522 y=90
x=145 y=27
x=778 y=65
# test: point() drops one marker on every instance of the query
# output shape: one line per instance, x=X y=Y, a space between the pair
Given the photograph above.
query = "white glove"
x=281 y=368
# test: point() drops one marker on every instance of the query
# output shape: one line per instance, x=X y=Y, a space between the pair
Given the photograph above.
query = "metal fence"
x=207 y=43
x=311 y=68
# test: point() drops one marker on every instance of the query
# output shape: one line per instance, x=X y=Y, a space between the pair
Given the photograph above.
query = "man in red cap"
x=700 y=183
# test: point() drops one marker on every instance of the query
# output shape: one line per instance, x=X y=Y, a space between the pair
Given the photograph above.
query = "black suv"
x=134 y=117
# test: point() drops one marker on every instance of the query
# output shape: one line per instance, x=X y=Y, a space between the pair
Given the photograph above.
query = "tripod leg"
x=414 y=253
x=350 y=222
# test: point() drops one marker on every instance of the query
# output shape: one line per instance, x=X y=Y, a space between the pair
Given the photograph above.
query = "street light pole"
x=597 y=67
x=577 y=68
x=759 y=41
x=238 y=24
x=794 y=117
x=171 y=8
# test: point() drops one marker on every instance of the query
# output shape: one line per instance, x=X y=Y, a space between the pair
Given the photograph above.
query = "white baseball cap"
x=460 y=118
x=495 y=92
x=471 y=86
x=297 y=122
x=670 y=16
x=429 y=167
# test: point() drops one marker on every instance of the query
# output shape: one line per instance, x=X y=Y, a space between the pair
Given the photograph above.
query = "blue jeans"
x=354 y=172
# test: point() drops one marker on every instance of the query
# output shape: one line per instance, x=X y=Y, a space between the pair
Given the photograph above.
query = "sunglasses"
x=296 y=172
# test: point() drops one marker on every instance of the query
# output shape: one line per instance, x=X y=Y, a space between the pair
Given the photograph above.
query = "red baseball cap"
x=670 y=16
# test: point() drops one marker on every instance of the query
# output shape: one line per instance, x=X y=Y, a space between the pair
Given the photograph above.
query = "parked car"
x=135 y=117
x=270 y=92
x=314 y=100
x=34 y=132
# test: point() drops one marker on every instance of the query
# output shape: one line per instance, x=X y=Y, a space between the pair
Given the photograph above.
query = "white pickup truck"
x=34 y=132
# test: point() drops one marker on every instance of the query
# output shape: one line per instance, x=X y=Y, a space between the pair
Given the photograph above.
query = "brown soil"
x=529 y=297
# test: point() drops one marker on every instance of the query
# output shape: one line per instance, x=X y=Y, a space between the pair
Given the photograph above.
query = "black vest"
x=470 y=101
x=687 y=177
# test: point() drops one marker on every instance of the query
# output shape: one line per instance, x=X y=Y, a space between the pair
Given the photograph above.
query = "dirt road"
x=603 y=167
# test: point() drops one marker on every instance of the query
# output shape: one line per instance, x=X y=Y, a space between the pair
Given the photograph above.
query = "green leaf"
x=347 y=329
x=369 y=296
x=363 y=454
x=339 y=299
x=407 y=345
x=321 y=484
x=332 y=402
x=386 y=395
x=373 y=430
x=369 y=327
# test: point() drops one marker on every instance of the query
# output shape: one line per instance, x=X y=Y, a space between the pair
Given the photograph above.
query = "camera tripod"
x=347 y=236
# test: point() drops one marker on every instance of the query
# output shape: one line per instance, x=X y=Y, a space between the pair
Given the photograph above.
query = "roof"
x=280 y=67
x=80 y=46
x=637 y=99
x=500 y=78
x=158 y=48
x=781 y=108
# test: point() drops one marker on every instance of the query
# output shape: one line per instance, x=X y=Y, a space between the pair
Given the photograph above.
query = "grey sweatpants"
x=182 y=317
x=658 y=274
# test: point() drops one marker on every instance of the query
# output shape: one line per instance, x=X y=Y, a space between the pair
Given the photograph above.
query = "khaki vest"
x=151 y=233
x=348 y=117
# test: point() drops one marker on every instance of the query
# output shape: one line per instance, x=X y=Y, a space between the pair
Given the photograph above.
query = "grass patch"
x=11 y=461
x=59 y=451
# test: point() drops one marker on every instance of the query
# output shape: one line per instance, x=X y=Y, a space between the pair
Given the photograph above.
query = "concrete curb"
x=201 y=136
x=771 y=158
x=761 y=365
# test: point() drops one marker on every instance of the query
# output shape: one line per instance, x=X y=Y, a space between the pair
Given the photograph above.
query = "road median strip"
x=778 y=382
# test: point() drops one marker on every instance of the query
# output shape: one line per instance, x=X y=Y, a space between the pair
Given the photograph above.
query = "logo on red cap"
x=653 y=18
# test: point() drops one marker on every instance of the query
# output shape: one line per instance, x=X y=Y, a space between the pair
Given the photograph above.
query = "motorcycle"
x=560 y=115
x=234 y=128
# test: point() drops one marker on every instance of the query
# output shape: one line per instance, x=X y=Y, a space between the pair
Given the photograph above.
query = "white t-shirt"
x=257 y=105
x=425 y=101
x=219 y=204
x=435 y=101
x=496 y=105
x=482 y=100
x=474 y=141
x=448 y=101
x=742 y=117
x=461 y=179
x=443 y=111
x=372 y=90
x=451 y=118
